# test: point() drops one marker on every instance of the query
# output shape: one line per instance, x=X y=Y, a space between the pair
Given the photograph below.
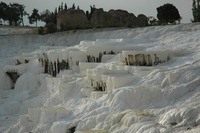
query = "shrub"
x=41 y=30
x=51 y=27
x=168 y=13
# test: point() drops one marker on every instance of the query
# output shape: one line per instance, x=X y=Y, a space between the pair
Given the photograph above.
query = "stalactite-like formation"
x=144 y=60
x=98 y=59
x=19 y=61
x=13 y=76
x=98 y=86
x=14 y=71
x=53 y=67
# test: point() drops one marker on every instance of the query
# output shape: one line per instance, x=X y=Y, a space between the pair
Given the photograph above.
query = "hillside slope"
x=129 y=80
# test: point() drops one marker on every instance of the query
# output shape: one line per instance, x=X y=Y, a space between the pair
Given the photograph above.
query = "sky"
x=146 y=7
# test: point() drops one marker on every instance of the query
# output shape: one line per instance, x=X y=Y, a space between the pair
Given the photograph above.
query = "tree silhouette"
x=196 y=10
x=73 y=7
x=45 y=16
x=168 y=13
x=65 y=6
x=34 y=17
x=92 y=9
x=55 y=16
x=22 y=13
x=3 y=7
x=19 y=10
x=12 y=14
x=61 y=7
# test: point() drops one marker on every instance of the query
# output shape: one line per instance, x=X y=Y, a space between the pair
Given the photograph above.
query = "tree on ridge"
x=34 y=17
x=196 y=10
x=168 y=13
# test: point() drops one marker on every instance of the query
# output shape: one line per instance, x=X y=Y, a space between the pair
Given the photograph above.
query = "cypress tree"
x=65 y=6
x=196 y=10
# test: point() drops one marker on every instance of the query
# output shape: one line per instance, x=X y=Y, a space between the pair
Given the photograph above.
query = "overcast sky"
x=147 y=7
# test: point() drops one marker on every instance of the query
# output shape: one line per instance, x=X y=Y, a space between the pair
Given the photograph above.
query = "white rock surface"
x=137 y=99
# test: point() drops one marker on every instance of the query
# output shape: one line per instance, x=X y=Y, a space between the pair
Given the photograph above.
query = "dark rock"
x=101 y=19
x=113 y=18
x=77 y=19
x=13 y=76
x=123 y=18
x=72 y=19
x=99 y=86
x=72 y=129
x=142 y=20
